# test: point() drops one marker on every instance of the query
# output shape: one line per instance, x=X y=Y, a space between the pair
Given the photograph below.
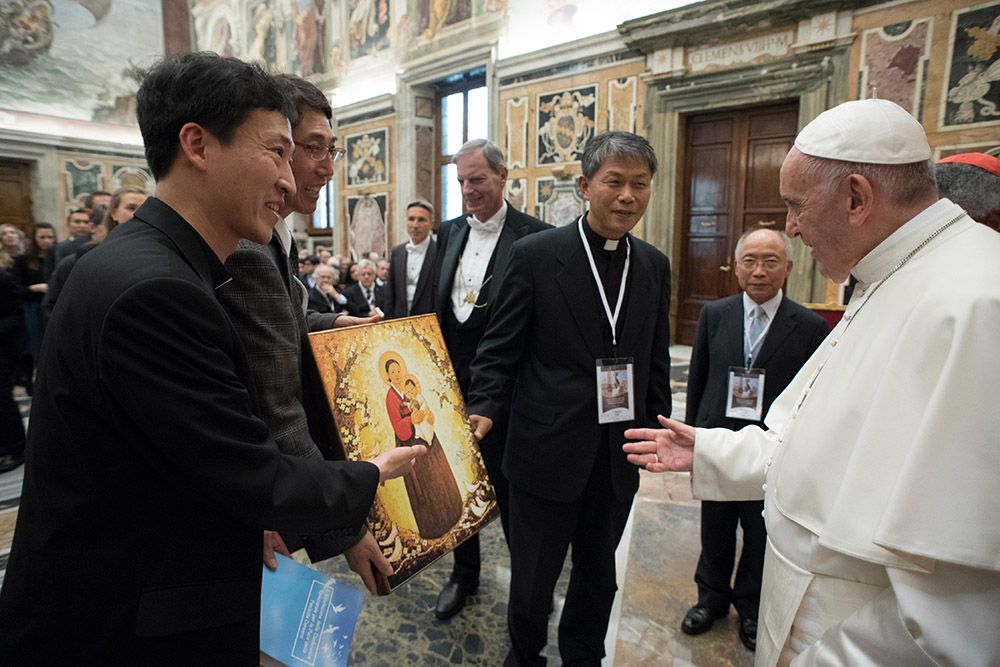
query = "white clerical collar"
x=770 y=306
x=284 y=235
x=611 y=244
x=494 y=224
x=418 y=248
x=877 y=263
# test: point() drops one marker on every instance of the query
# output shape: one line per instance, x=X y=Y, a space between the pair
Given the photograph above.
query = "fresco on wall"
x=566 y=120
x=367 y=215
x=73 y=59
x=367 y=157
x=434 y=15
x=894 y=64
x=558 y=202
x=972 y=82
x=368 y=26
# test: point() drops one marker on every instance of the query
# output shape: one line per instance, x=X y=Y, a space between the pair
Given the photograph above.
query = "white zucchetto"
x=868 y=131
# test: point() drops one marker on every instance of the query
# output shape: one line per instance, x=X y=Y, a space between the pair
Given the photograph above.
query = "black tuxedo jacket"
x=546 y=330
x=451 y=241
x=149 y=479
x=791 y=339
x=394 y=293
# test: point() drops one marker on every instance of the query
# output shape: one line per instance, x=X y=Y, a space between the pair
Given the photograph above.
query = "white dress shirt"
x=415 y=254
x=471 y=272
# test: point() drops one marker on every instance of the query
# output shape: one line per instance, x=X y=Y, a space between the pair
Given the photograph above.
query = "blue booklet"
x=306 y=618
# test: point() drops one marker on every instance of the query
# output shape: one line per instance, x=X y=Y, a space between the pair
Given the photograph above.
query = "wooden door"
x=15 y=194
x=732 y=164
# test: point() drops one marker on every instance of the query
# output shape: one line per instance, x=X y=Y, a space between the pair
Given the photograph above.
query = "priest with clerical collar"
x=472 y=254
x=881 y=452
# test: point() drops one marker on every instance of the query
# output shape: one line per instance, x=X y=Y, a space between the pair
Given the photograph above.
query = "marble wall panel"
x=894 y=62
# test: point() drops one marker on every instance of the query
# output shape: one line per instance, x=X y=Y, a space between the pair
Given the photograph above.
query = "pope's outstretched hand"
x=670 y=448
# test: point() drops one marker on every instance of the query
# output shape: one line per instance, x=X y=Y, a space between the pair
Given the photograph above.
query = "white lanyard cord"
x=612 y=318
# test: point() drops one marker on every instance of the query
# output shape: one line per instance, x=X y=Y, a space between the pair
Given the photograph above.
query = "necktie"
x=757 y=320
x=369 y=298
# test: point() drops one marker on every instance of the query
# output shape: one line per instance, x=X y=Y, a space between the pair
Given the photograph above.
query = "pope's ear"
x=194 y=140
x=861 y=199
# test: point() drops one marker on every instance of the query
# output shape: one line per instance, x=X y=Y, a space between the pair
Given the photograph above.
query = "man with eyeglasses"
x=747 y=349
x=267 y=305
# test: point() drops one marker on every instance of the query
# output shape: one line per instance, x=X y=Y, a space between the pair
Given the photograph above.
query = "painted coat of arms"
x=391 y=384
x=566 y=120
x=972 y=91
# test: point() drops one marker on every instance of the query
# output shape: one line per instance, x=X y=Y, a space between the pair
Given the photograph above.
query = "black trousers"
x=718 y=554
x=541 y=531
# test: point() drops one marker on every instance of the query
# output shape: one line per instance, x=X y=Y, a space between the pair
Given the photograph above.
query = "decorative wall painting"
x=971 y=94
x=566 y=120
x=392 y=384
x=368 y=232
x=367 y=157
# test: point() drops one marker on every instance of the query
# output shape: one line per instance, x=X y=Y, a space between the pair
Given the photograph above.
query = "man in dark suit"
x=80 y=227
x=738 y=338
x=364 y=296
x=265 y=304
x=149 y=479
x=324 y=297
x=473 y=253
x=409 y=287
x=578 y=346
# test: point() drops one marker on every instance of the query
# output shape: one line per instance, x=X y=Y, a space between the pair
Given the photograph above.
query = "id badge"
x=745 y=398
x=615 y=390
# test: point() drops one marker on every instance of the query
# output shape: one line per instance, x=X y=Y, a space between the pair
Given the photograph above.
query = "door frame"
x=817 y=79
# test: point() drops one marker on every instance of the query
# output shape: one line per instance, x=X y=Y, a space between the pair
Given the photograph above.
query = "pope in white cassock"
x=880 y=468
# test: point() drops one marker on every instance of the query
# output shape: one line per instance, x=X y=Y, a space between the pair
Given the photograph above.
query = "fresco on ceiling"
x=73 y=58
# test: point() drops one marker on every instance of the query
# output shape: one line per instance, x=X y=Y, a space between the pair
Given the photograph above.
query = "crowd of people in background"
x=33 y=269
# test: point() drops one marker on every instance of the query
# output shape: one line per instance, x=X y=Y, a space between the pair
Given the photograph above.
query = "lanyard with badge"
x=615 y=397
x=745 y=398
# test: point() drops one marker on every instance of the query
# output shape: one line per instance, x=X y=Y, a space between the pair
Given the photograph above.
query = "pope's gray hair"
x=902 y=184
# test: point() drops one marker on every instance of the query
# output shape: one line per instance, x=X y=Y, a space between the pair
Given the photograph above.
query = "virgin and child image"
x=434 y=496
x=392 y=384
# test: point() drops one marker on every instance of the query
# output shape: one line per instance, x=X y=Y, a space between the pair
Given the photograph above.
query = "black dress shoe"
x=698 y=619
x=451 y=599
x=748 y=633
x=10 y=462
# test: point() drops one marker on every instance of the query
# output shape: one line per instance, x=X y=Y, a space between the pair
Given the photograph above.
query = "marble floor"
x=657 y=559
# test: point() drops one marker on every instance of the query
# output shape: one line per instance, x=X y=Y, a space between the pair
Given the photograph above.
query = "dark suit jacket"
x=545 y=333
x=791 y=339
x=394 y=293
x=319 y=302
x=357 y=304
x=148 y=478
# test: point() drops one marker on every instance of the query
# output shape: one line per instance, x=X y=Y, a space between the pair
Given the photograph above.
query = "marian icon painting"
x=391 y=384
